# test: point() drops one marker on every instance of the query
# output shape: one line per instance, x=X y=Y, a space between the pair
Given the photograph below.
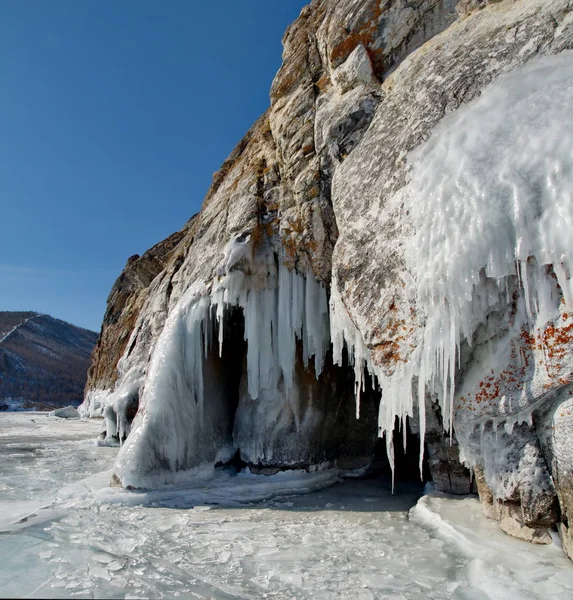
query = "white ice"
x=490 y=197
x=179 y=425
x=65 y=533
x=67 y=412
x=493 y=195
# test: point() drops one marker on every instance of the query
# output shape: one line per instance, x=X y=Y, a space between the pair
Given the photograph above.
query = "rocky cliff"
x=387 y=246
x=43 y=361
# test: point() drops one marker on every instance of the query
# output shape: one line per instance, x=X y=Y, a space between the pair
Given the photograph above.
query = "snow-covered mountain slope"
x=43 y=361
x=388 y=244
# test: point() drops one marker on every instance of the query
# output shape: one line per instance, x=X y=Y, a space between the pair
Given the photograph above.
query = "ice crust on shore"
x=67 y=412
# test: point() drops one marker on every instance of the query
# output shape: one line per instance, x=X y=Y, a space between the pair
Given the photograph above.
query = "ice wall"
x=180 y=425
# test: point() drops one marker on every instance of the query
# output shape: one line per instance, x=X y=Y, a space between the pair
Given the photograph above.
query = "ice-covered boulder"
x=389 y=243
x=69 y=412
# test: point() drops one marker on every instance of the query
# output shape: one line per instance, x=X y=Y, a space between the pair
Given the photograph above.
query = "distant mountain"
x=43 y=361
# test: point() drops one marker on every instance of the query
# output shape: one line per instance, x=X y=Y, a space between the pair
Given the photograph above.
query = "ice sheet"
x=497 y=566
x=351 y=540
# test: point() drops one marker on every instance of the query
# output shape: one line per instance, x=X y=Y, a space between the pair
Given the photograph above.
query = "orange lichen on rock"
x=396 y=333
x=366 y=34
x=549 y=349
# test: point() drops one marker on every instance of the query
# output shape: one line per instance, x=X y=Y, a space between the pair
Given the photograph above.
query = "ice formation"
x=94 y=403
x=491 y=204
x=67 y=412
x=121 y=406
x=491 y=199
x=279 y=306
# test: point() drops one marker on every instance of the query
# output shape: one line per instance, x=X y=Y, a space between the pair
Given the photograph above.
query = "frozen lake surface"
x=65 y=533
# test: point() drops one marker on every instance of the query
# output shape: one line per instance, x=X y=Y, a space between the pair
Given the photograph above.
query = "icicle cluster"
x=289 y=306
x=120 y=403
x=280 y=306
x=344 y=333
x=491 y=196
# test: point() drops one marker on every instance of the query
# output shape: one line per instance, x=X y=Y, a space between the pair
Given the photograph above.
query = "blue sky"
x=114 y=115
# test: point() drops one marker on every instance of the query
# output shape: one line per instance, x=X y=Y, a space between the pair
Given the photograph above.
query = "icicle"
x=390 y=453
x=297 y=304
x=358 y=391
x=252 y=336
x=452 y=375
x=286 y=335
x=422 y=417
x=219 y=302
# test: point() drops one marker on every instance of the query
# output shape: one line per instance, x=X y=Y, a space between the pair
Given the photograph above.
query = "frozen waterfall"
x=177 y=429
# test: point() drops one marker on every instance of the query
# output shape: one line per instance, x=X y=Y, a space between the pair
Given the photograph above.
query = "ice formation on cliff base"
x=177 y=429
x=491 y=205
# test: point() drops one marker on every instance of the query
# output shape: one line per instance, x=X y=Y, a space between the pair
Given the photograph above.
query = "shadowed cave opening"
x=313 y=423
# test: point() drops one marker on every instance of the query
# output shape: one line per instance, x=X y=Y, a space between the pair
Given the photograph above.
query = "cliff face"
x=43 y=361
x=405 y=275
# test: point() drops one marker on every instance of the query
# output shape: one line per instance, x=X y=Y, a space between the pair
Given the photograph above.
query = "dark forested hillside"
x=43 y=361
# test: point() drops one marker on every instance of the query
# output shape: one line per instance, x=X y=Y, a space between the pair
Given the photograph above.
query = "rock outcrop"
x=327 y=234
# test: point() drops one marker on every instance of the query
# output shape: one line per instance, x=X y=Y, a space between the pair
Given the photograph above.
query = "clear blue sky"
x=114 y=115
